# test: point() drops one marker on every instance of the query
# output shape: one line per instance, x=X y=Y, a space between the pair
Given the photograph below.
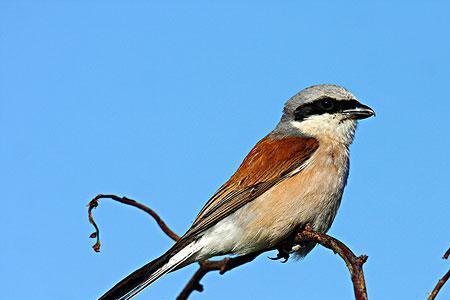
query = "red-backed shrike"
x=294 y=176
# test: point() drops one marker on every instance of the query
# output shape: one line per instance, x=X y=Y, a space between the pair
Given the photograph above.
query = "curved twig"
x=354 y=263
x=94 y=203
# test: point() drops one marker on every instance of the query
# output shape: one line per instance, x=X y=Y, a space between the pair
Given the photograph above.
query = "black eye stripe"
x=322 y=106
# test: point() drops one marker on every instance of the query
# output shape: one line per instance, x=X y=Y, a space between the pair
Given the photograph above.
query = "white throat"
x=328 y=127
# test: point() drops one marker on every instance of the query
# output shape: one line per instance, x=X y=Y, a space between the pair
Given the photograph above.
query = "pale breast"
x=311 y=196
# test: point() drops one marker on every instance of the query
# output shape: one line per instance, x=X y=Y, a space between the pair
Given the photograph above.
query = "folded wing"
x=268 y=163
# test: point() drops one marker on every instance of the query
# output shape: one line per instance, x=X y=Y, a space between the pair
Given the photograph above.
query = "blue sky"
x=161 y=102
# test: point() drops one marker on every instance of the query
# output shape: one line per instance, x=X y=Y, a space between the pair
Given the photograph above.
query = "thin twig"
x=207 y=266
x=94 y=203
x=446 y=254
x=441 y=281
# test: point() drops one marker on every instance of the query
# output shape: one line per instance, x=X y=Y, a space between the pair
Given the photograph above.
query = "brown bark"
x=441 y=281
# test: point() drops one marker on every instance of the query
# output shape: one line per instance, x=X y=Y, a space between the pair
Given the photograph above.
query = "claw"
x=282 y=254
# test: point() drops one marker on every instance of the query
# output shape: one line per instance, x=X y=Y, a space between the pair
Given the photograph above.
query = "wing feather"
x=268 y=163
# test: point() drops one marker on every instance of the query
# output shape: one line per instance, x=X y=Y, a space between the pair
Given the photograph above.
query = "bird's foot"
x=284 y=251
x=282 y=254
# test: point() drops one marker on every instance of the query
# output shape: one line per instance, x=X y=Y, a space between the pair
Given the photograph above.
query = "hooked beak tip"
x=360 y=112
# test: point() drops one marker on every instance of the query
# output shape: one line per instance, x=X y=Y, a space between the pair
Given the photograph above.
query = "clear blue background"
x=161 y=102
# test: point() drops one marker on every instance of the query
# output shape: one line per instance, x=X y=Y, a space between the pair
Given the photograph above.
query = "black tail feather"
x=134 y=279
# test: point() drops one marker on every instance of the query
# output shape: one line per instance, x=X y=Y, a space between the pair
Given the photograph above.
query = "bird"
x=292 y=178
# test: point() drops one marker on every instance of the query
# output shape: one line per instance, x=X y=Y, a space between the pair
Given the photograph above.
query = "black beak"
x=359 y=112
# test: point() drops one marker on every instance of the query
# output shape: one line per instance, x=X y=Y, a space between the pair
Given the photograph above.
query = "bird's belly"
x=305 y=198
x=313 y=196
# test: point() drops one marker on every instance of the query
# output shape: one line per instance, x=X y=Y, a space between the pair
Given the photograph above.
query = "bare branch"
x=94 y=203
x=354 y=263
x=446 y=254
x=441 y=281
x=207 y=266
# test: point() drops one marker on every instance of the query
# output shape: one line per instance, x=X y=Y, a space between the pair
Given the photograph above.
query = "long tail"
x=134 y=283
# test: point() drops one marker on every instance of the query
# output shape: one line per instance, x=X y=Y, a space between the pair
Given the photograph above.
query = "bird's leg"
x=288 y=246
x=285 y=248
x=282 y=253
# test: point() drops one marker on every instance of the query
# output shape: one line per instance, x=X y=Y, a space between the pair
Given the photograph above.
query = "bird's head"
x=323 y=111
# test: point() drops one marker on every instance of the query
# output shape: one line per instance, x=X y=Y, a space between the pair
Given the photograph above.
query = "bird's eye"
x=327 y=104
